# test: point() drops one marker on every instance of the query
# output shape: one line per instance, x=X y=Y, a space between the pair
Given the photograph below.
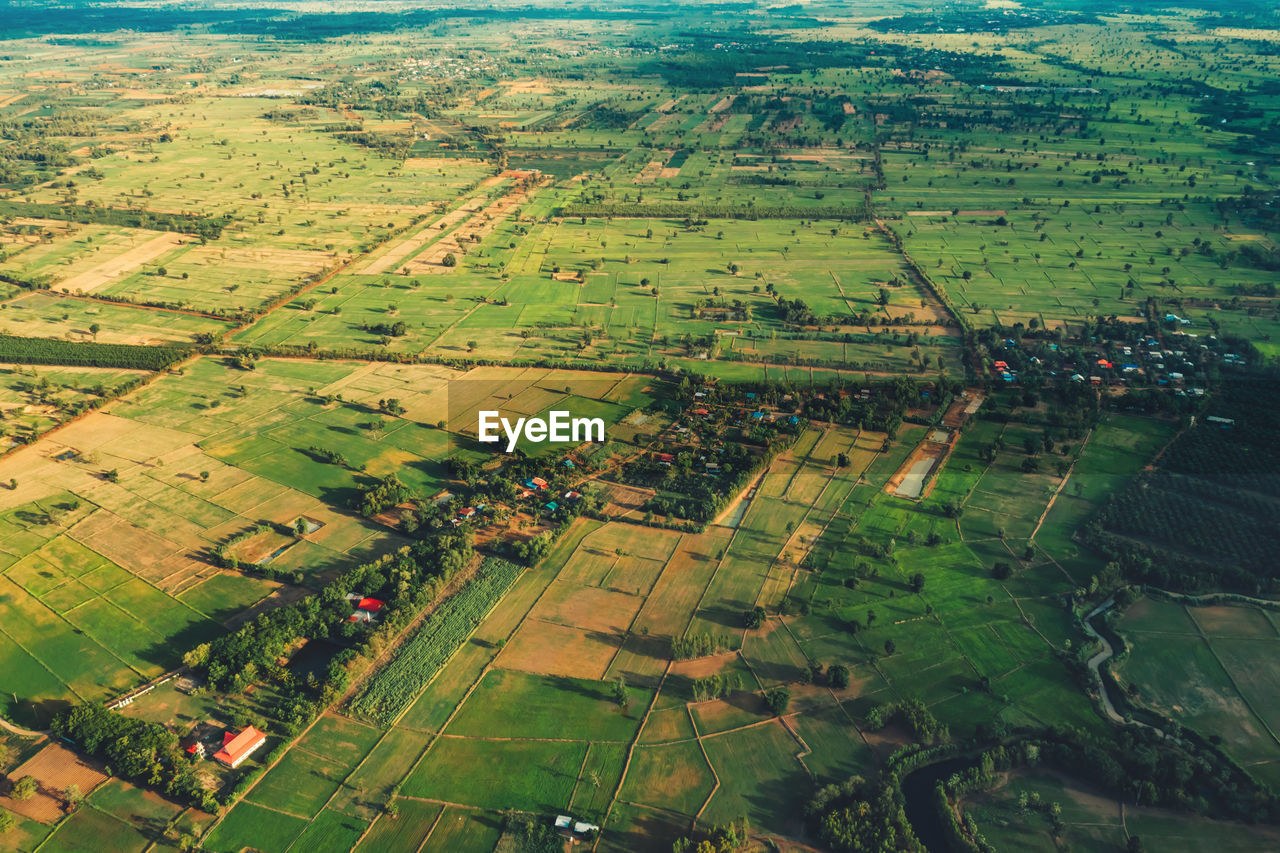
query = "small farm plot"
x=1212 y=682
x=415 y=664
x=521 y=705
x=549 y=772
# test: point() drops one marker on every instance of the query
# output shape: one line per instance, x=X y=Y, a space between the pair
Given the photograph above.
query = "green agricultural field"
x=1224 y=686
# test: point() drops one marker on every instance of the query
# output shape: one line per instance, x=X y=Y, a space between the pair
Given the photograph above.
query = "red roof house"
x=236 y=748
x=373 y=605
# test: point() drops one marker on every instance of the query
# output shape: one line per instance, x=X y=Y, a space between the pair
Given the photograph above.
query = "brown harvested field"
x=387 y=259
x=102 y=274
x=528 y=85
x=287 y=263
x=960 y=410
x=1229 y=621
x=933 y=311
x=633 y=575
x=588 y=607
x=634 y=540
x=721 y=715
x=653 y=168
x=702 y=667
x=723 y=104
x=622 y=501
x=475 y=226
x=641 y=660
x=546 y=648
x=54 y=768
x=674 y=597
x=142 y=552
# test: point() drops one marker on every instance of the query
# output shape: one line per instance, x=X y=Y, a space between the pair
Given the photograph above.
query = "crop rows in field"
x=18 y=350
x=418 y=661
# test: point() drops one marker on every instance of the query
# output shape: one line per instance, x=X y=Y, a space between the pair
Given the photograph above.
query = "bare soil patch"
x=99 y=276
x=54 y=768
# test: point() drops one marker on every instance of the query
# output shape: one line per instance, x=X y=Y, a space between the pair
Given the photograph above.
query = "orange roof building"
x=236 y=748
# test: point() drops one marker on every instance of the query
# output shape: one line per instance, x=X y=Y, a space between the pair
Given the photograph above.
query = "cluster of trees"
x=144 y=752
x=395 y=329
x=1139 y=765
x=913 y=714
x=406 y=581
x=697 y=646
x=863 y=816
x=381 y=494
x=205 y=227
x=714 y=686
x=728 y=838
x=882 y=409
x=333 y=457
x=699 y=496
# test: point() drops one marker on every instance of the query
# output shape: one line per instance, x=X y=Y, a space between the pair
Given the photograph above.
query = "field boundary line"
x=434 y=824
x=30 y=654
x=1061 y=485
x=636 y=617
x=714 y=775
x=1234 y=685
x=631 y=751
x=804 y=747
x=586 y=755
x=1024 y=616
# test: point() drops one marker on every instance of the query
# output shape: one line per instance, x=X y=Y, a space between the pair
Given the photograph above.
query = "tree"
x=204 y=476
x=6 y=821
x=1001 y=571
x=778 y=699
x=620 y=693
x=754 y=617
x=471 y=345
x=917 y=582
x=94 y=328
x=73 y=796
x=25 y=788
x=838 y=676
x=890 y=647
x=450 y=260
x=113 y=476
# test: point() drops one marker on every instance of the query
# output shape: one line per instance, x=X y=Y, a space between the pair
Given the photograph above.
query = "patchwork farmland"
x=934 y=348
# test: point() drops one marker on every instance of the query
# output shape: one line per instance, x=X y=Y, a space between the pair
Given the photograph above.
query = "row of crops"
x=388 y=693
x=19 y=350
